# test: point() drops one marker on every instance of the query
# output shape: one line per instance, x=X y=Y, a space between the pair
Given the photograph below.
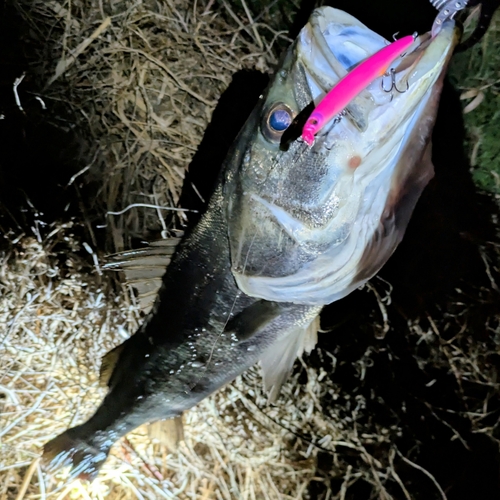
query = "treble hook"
x=394 y=86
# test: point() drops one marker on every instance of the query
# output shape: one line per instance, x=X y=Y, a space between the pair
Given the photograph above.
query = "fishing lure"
x=352 y=84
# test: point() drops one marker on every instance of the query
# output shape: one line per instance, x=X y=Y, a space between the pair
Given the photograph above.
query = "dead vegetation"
x=140 y=80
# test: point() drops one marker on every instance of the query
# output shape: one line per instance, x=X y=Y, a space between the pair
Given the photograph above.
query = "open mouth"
x=334 y=42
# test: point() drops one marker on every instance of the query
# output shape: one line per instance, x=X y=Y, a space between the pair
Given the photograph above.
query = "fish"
x=288 y=229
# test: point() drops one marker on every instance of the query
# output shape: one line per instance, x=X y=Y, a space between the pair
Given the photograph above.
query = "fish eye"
x=276 y=120
x=279 y=120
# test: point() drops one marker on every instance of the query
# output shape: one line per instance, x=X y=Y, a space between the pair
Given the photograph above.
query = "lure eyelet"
x=277 y=119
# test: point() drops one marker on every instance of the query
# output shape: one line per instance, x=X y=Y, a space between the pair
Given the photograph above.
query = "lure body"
x=352 y=84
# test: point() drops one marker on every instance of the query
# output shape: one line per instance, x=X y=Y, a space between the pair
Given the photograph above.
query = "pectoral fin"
x=252 y=319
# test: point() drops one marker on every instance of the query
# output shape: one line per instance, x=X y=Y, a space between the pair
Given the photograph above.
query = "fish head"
x=308 y=224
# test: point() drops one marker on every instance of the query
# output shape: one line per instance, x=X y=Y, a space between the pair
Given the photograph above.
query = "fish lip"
x=425 y=54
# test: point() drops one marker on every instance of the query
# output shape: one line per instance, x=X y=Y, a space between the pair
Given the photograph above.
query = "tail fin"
x=67 y=450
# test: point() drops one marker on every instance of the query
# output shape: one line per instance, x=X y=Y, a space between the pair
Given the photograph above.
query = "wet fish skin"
x=180 y=354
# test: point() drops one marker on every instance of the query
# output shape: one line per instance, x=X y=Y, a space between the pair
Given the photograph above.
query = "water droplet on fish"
x=172 y=371
x=139 y=397
x=217 y=363
x=196 y=364
x=146 y=355
x=203 y=329
x=181 y=367
x=251 y=348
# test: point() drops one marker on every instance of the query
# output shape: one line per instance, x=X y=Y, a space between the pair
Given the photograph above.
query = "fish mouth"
x=334 y=42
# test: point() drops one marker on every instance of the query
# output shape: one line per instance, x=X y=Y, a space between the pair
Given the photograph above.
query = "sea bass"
x=289 y=228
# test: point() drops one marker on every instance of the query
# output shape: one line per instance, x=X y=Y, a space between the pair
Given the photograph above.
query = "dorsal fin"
x=144 y=268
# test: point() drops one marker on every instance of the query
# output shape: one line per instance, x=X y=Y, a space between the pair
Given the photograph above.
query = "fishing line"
x=244 y=267
x=300 y=148
x=238 y=295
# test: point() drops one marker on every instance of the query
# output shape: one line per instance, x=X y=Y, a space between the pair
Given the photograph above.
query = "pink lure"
x=351 y=85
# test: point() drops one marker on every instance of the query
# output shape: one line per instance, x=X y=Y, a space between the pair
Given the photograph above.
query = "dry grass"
x=141 y=81
x=59 y=324
x=142 y=78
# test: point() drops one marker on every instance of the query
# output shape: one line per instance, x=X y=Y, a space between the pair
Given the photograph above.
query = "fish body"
x=182 y=354
x=286 y=232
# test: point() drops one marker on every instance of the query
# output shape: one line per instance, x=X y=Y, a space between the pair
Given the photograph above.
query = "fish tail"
x=68 y=449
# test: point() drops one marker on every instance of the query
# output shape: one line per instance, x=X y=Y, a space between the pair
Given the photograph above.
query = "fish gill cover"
x=364 y=416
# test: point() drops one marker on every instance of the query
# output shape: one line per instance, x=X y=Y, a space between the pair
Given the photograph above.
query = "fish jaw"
x=301 y=218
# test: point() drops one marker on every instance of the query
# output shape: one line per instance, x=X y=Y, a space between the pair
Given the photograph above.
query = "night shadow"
x=38 y=158
x=232 y=110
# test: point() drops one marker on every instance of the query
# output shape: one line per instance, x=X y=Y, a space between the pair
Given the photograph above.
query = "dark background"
x=40 y=151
